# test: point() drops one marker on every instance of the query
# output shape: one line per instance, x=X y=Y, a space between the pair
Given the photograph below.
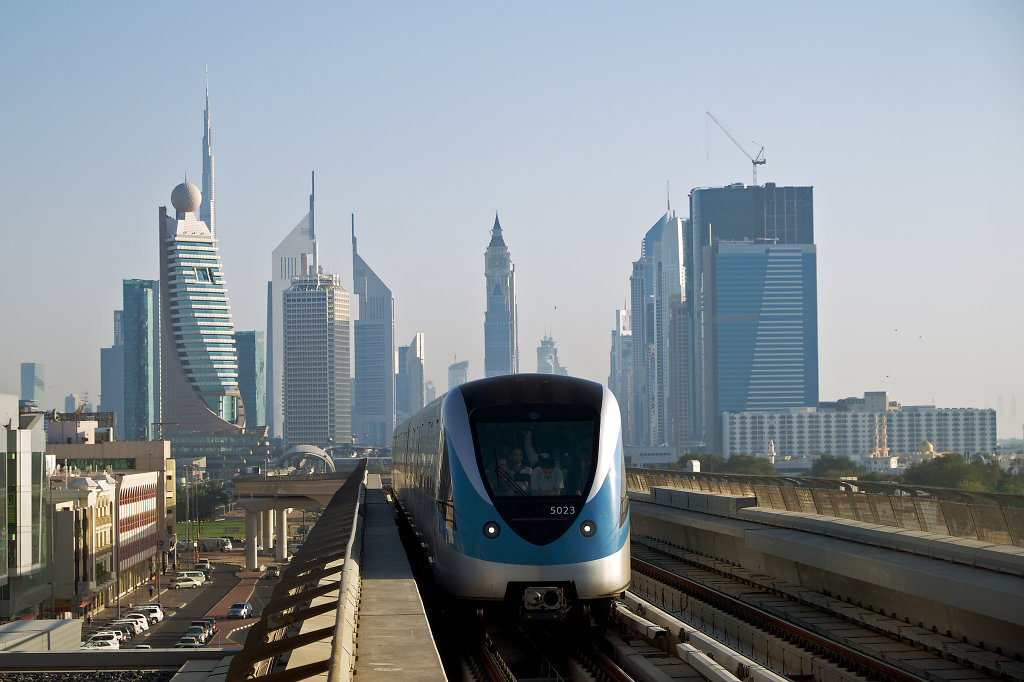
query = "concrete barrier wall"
x=1001 y=522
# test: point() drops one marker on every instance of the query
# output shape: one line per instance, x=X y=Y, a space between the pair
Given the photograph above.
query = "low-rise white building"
x=855 y=426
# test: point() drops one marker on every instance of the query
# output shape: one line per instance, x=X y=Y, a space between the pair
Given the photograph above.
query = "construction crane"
x=758 y=160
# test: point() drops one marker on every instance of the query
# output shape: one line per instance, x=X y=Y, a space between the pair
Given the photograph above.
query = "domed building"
x=202 y=410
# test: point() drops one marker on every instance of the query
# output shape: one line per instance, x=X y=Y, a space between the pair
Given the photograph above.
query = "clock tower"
x=501 y=327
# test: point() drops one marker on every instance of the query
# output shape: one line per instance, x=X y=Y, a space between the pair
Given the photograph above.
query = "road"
x=228 y=585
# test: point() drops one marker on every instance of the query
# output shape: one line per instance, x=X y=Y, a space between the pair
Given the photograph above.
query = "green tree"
x=830 y=466
x=951 y=470
x=749 y=464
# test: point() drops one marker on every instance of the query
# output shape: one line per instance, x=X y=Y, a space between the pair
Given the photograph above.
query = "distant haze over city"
x=579 y=124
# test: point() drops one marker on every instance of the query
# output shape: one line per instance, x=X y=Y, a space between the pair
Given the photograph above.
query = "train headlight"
x=491 y=530
x=588 y=528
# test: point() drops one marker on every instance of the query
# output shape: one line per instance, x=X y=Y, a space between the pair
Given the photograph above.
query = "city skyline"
x=908 y=130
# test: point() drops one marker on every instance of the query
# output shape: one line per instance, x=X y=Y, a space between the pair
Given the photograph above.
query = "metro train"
x=516 y=489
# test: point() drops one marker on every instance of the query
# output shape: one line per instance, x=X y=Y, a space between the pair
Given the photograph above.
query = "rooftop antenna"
x=756 y=161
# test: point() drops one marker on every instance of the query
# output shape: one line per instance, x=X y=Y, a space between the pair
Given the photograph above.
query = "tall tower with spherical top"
x=199 y=363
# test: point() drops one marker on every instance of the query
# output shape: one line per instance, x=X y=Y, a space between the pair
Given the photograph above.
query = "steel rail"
x=778 y=626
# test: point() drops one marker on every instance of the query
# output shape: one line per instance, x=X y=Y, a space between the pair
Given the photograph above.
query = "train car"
x=516 y=489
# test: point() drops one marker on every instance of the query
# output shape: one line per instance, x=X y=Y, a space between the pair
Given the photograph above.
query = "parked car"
x=146 y=618
x=118 y=635
x=240 y=610
x=207 y=628
x=188 y=642
x=139 y=618
x=100 y=644
x=155 y=613
x=135 y=625
x=154 y=604
x=198 y=575
x=105 y=639
x=197 y=631
x=127 y=631
x=184 y=581
x=207 y=575
x=274 y=572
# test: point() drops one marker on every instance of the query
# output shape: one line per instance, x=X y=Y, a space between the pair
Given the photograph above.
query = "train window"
x=538 y=450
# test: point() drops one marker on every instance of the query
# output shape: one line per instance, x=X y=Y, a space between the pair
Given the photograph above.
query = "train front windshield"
x=537 y=450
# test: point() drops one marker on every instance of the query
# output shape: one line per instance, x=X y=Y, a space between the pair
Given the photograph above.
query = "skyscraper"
x=656 y=290
x=547 y=358
x=373 y=404
x=112 y=375
x=33 y=383
x=620 y=374
x=753 y=311
x=207 y=209
x=296 y=255
x=458 y=373
x=761 y=333
x=409 y=386
x=199 y=364
x=316 y=361
x=141 y=331
x=501 y=326
x=252 y=380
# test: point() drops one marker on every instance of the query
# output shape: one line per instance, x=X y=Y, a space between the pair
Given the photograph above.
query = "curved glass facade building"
x=199 y=363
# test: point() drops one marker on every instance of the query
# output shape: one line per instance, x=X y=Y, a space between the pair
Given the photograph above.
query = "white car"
x=141 y=619
x=155 y=613
x=106 y=640
x=135 y=625
x=185 y=581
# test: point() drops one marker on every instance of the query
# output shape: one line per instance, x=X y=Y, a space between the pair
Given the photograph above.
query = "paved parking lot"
x=229 y=584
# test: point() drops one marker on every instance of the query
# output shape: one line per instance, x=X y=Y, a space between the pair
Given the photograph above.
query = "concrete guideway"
x=861 y=566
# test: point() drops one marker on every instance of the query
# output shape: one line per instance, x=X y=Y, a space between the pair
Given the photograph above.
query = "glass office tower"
x=140 y=328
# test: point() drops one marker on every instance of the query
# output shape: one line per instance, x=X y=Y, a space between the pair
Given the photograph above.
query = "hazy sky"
x=568 y=119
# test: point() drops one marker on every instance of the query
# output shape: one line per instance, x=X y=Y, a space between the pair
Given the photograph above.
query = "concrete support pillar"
x=268 y=529
x=251 y=538
x=282 y=534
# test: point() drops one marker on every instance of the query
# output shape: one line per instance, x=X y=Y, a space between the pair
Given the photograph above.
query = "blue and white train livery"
x=515 y=486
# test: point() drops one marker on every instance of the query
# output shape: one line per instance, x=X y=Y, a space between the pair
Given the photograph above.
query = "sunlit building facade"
x=23 y=525
x=316 y=362
x=296 y=255
x=844 y=431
